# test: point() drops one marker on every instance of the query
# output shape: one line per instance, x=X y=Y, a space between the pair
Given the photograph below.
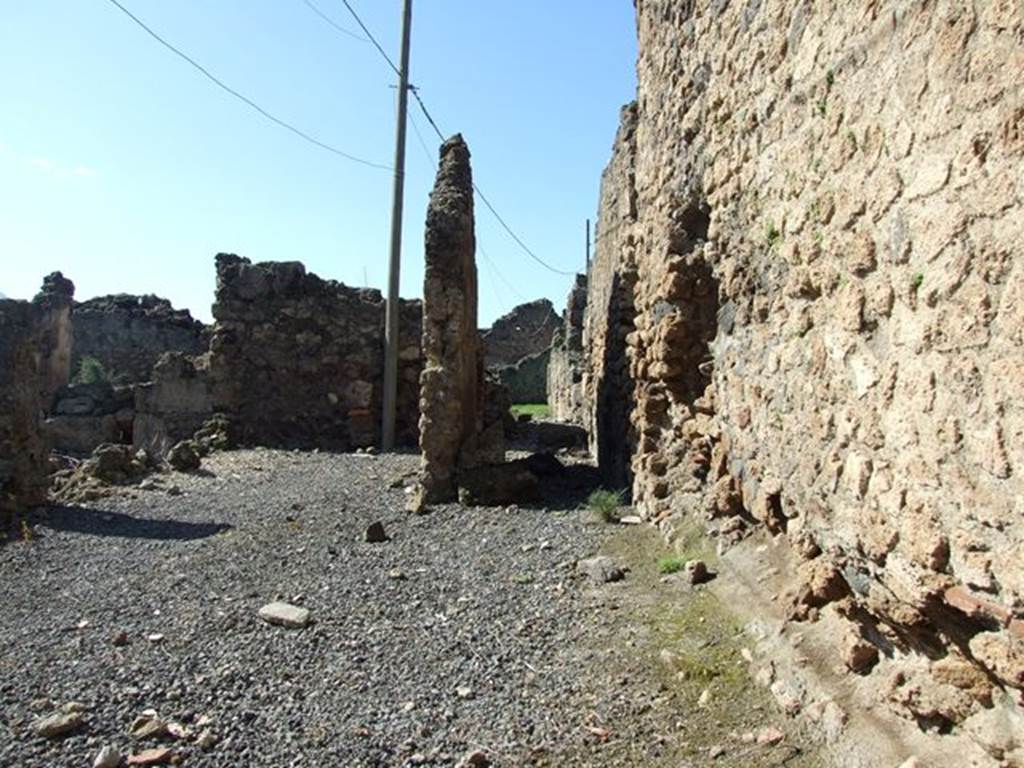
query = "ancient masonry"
x=565 y=366
x=455 y=434
x=128 y=334
x=296 y=361
x=35 y=359
x=525 y=331
x=809 y=289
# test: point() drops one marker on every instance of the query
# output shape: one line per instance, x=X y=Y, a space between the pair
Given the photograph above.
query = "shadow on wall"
x=615 y=393
x=98 y=522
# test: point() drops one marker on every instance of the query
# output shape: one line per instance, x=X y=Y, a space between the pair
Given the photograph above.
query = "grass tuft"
x=671 y=564
x=606 y=504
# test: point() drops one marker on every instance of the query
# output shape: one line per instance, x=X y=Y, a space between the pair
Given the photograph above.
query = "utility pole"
x=395 y=262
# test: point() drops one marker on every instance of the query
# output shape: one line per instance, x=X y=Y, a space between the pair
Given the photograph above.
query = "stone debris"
x=184 y=456
x=770 y=736
x=109 y=468
x=148 y=725
x=475 y=759
x=206 y=740
x=108 y=757
x=601 y=569
x=285 y=615
x=159 y=756
x=58 y=724
x=696 y=572
x=375 y=533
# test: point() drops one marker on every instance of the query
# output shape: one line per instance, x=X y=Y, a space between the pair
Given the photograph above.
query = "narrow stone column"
x=451 y=409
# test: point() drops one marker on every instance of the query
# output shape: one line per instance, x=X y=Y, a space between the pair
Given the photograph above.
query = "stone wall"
x=820 y=252
x=526 y=330
x=127 y=334
x=84 y=416
x=526 y=381
x=35 y=359
x=608 y=385
x=297 y=361
x=565 y=366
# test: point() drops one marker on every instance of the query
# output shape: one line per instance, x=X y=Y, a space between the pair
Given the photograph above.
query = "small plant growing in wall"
x=772 y=236
x=916 y=282
x=606 y=504
x=822 y=106
x=90 y=371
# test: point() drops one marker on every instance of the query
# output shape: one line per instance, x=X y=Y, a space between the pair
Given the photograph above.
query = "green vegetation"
x=772 y=235
x=916 y=281
x=606 y=504
x=90 y=371
x=671 y=564
x=822 y=106
x=830 y=78
x=536 y=410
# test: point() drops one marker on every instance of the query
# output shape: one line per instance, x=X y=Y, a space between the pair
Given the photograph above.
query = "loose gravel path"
x=469 y=629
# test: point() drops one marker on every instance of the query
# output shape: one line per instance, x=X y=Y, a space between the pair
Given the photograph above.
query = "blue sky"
x=123 y=167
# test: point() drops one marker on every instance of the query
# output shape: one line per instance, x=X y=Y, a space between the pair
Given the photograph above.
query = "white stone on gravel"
x=54 y=726
x=108 y=757
x=285 y=615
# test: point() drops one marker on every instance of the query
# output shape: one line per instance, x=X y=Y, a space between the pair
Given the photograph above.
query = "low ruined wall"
x=828 y=305
x=128 y=334
x=526 y=330
x=297 y=361
x=84 y=416
x=35 y=357
x=174 y=405
x=565 y=365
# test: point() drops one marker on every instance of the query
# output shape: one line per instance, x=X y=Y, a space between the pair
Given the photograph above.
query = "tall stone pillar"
x=451 y=406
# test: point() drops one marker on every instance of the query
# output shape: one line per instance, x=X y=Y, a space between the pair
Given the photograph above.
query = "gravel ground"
x=468 y=630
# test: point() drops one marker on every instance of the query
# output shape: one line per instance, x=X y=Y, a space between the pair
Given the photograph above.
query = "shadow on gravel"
x=97 y=522
x=568 y=488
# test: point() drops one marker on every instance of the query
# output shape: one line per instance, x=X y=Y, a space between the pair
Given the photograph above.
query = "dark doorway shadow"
x=98 y=522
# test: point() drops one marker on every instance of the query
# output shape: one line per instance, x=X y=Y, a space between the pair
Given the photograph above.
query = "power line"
x=441 y=136
x=426 y=114
x=244 y=99
x=371 y=38
x=333 y=23
x=516 y=238
x=496 y=271
x=431 y=159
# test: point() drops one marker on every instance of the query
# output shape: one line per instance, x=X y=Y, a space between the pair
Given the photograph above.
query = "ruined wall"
x=84 y=416
x=127 y=334
x=829 y=306
x=607 y=386
x=565 y=366
x=174 y=405
x=526 y=381
x=526 y=330
x=297 y=361
x=35 y=359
